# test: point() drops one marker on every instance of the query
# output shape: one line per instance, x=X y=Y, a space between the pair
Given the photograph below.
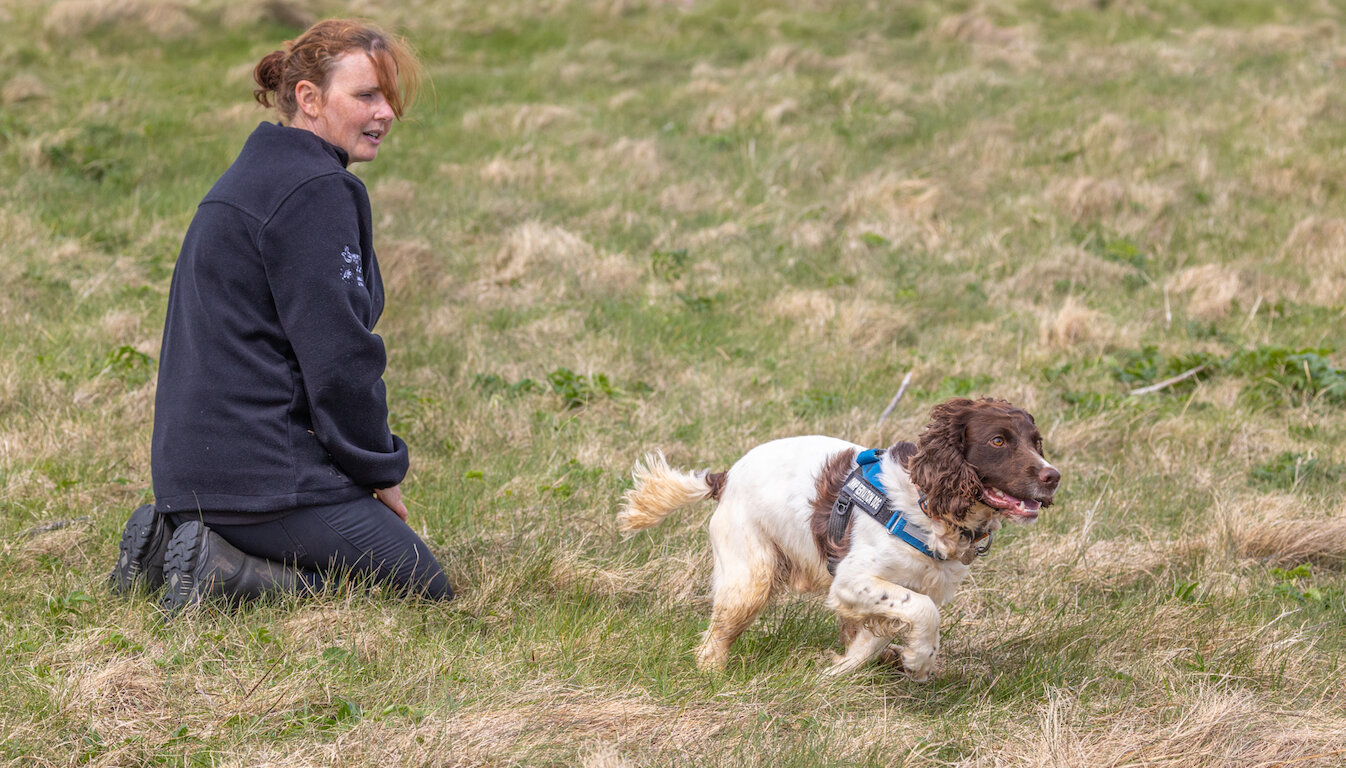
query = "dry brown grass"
x=1073 y=324
x=1274 y=528
x=290 y=13
x=1211 y=290
x=1317 y=245
x=21 y=88
x=407 y=266
x=809 y=312
x=895 y=208
x=683 y=578
x=1215 y=729
x=871 y=326
x=162 y=19
x=541 y=726
x=692 y=197
x=1127 y=206
x=120 y=697
x=1266 y=37
x=535 y=258
x=1072 y=265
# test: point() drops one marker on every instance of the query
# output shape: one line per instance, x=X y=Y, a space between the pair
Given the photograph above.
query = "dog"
x=975 y=465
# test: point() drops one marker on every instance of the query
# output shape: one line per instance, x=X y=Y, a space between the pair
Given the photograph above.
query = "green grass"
x=610 y=227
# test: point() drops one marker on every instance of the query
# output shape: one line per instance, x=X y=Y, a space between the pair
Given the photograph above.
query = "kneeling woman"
x=272 y=460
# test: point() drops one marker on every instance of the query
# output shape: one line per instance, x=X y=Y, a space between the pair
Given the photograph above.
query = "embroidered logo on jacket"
x=351 y=270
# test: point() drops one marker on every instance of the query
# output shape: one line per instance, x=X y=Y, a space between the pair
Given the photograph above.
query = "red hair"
x=311 y=55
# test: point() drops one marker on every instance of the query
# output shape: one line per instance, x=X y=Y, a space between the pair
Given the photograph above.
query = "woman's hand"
x=392 y=499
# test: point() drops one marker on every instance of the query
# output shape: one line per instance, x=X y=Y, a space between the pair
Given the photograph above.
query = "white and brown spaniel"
x=976 y=464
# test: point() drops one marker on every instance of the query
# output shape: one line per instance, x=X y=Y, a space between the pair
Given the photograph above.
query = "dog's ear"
x=939 y=466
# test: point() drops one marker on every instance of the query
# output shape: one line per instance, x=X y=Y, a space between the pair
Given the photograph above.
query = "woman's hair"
x=310 y=57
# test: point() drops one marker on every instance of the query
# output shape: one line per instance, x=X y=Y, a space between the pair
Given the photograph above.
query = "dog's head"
x=985 y=451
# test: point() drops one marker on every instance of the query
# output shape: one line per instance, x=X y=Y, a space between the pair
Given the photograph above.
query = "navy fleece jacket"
x=271 y=391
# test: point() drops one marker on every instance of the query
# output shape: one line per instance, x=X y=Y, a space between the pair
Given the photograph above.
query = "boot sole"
x=184 y=549
x=138 y=537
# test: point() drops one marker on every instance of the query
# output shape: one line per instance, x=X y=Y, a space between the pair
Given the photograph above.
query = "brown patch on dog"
x=716 y=481
x=829 y=483
x=902 y=452
x=849 y=630
x=788 y=573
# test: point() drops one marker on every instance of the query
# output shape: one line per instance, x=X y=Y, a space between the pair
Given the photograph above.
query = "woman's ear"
x=309 y=98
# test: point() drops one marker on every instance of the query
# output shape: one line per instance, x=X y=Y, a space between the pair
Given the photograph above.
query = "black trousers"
x=362 y=538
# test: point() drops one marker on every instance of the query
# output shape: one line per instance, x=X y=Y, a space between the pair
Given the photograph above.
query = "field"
x=611 y=226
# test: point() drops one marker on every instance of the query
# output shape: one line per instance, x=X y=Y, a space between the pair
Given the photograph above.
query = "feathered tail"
x=660 y=490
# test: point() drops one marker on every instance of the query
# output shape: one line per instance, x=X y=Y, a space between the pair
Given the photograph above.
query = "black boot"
x=140 y=557
x=201 y=565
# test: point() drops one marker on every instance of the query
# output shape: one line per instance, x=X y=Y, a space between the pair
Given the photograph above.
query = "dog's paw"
x=892 y=655
x=709 y=660
x=918 y=663
x=838 y=669
x=843 y=665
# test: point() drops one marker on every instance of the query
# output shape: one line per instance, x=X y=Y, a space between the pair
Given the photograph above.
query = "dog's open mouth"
x=1024 y=509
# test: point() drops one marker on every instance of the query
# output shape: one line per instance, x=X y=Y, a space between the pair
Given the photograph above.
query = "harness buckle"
x=984 y=544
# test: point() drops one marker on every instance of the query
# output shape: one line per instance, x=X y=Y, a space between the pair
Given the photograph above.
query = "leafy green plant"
x=121 y=642
x=1289 y=470
x=578 y=390
x=670 y=265
x=1148 y=366
x=490 y=384
x=1276 y=375
x=697 y=302
x=1294 y=583
x=1287 y=376
x=69 y=603
x=129 y=364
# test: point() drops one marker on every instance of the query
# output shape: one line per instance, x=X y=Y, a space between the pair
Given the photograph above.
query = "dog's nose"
x=1049 y=476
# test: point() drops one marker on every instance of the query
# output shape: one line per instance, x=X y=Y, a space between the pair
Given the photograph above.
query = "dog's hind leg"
x=741 y=586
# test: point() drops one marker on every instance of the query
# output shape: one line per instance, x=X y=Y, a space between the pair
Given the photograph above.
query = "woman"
x=272 y=460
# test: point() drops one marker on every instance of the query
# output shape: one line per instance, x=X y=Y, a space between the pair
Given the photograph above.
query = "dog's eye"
x=997 y=441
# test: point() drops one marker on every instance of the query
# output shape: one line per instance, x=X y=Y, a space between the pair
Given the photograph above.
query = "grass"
x=623 y=225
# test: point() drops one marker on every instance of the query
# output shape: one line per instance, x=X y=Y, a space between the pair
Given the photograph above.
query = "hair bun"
x=268 y=73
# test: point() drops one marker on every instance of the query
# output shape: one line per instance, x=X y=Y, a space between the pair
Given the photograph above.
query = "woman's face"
x=353 y=114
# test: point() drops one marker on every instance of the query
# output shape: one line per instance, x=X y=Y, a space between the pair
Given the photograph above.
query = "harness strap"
x=864 y=490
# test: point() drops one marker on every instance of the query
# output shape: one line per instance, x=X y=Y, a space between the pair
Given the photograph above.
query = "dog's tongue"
x=1001 y=500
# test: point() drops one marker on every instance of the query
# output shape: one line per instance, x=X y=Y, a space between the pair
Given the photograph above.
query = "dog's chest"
x=938 y=581
x=892 y=560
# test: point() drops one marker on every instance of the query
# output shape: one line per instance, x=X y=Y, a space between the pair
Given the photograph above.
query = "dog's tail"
x=660 y=490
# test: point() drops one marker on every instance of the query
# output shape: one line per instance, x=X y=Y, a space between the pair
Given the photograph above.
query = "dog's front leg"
x=863 y=646
x=885 y=610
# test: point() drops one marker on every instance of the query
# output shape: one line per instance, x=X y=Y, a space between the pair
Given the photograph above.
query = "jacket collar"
x=339 y=154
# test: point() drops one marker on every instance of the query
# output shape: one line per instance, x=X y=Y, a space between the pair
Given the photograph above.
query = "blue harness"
x=863 y=489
